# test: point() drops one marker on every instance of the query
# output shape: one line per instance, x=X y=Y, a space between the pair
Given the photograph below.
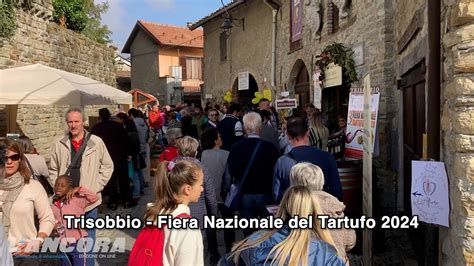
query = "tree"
x=82 y=16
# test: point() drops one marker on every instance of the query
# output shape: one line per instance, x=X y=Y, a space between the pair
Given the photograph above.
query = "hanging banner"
x=355 y=122
x=296 y=20
x=243 y=81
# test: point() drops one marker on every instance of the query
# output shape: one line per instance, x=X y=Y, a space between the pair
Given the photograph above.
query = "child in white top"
x=177 y=185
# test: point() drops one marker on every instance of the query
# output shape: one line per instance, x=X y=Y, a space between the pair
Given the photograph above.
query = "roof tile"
x=174 y=35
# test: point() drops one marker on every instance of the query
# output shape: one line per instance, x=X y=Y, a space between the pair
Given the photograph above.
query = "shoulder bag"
x=232 y=200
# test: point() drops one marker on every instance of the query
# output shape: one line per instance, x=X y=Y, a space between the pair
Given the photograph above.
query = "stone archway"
x=299 y=83
x=244 y=98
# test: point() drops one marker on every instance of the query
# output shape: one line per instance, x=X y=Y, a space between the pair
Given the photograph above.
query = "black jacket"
x=260 y=176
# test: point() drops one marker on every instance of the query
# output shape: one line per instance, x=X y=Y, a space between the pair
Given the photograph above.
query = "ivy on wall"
x=340 y=55
x=7 y=20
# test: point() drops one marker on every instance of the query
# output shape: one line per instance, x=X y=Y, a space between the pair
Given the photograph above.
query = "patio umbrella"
x=39 y=84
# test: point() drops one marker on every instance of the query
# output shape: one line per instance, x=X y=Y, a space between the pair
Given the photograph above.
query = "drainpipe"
x=275 y=7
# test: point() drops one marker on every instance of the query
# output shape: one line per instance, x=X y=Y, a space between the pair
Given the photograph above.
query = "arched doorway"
x=244 y=98
x=299 y=81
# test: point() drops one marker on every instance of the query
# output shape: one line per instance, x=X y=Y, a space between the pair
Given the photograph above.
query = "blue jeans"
x=254 y=206
x=138 y=183
x=73 y=258
x=91 y=234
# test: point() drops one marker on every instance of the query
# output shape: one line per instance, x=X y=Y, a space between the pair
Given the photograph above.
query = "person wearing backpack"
x=177 y=185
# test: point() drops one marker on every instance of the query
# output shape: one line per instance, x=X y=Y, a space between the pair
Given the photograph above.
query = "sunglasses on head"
x=14 y=157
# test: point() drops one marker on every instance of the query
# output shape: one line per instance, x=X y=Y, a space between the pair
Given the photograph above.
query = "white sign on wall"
x=317 y=89
x=358 y=55
x=243 y=81
x=430 y=192
x=332 y=75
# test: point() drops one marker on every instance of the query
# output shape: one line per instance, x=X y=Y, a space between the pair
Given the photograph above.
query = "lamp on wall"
x=229 y=23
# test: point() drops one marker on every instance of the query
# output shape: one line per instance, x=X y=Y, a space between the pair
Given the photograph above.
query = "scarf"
x=11 y=188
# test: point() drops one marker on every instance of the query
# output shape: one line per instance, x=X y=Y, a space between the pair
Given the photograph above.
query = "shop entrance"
x=335 y=102
x=244 y=98
x=424 y=238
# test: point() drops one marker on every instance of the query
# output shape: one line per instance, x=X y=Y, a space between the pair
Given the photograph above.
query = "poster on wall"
x=243 y=81
x=430 y=192
x=318 y=92
x=296 y=19
x=355 y=122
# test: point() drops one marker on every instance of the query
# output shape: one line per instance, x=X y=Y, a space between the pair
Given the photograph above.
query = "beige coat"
x=96 y=165
x=345 y=239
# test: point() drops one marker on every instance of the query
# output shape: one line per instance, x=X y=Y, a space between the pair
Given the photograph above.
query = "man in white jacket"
x=94 y=167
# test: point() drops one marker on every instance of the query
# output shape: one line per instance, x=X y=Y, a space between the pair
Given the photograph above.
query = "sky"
x=123 y=14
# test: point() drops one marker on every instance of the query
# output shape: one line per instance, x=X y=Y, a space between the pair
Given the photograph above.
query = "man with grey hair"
x=257 y=185
x=84 y=158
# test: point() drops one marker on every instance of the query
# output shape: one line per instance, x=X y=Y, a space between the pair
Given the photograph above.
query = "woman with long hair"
x=319 y=133
x=178 y=185
x=311 y=176
x=21 y=198
x=288 y=246
x=207 y=204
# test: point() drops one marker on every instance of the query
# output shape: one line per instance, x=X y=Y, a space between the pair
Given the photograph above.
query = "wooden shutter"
x=223 y=46
x=201 y=70
x=182 y=63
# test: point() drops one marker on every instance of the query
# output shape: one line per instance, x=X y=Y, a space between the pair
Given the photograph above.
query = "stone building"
x=243 y=46
x=166 y=61
x=39 y=40
x=398 y=43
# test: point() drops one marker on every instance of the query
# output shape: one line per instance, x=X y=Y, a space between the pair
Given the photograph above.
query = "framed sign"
x=243 y=81
x=285 y=104
x=333 y=75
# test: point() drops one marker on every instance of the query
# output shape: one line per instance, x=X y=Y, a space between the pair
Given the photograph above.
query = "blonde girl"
x=288 y=246
x=318 y=132
x=311 y=176
x=177 y=185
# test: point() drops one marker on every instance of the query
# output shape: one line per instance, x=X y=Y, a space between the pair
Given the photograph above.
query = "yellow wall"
x=170 y=57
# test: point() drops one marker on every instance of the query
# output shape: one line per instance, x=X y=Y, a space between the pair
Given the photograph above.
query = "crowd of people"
x=206 y=154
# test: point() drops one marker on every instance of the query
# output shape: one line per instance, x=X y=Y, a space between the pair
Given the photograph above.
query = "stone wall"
x=457 y=124
x=248 y=44
x=38 y=40
x=370 y=23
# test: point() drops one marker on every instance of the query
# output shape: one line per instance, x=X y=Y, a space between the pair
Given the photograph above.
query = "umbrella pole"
x=12 y=111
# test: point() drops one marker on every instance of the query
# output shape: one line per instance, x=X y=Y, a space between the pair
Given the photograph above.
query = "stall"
x=41 y=85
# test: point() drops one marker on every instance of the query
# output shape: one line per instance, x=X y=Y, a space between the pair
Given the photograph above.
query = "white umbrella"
x=39 y=84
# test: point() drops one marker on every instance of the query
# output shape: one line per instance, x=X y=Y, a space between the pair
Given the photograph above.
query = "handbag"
x=42 y=179
x=232 y=201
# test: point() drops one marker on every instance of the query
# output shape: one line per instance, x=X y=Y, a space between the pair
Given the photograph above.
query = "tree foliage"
x=7 y=20
x=82 y=16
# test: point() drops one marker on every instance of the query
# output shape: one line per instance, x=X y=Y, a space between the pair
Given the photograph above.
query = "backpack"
x=149 y=246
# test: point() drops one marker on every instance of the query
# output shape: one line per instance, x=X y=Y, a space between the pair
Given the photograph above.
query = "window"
x=223 y=46
x=192 y=67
